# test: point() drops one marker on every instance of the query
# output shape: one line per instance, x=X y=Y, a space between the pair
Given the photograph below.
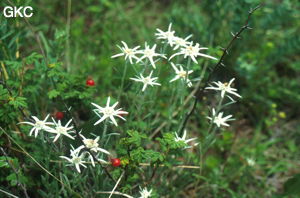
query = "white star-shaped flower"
x=180 y=42
x=146 y=80
x=181 y=74
x=149 y=53
x=167 y=35
x=76 y=159
x=129 y=53
x=224 y=88
x=92 y=144
x=61 y=130
x=219 y=120
x=145 y=193
x=38 y=125
x=192 y=51
x=183 y=139
x=250 y=161
x=109 y=112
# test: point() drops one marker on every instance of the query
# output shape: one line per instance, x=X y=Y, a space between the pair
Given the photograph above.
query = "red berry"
x=115 y=162
x=90 y=82
x=59 y=115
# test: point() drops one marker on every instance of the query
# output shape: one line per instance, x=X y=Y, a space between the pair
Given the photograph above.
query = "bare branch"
x=200 y=92
x=115 y=193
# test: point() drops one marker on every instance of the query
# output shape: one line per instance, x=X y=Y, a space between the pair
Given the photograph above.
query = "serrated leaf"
x=18 y=102
x=53 y=94
x=137 y=154
x=135 y=137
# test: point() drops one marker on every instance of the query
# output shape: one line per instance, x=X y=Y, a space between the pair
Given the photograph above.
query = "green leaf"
x=53 y=94
x=12 y=178
x=168 y=142
x=137 y=155
x=153 y=156
x=32 y=58
x=3 y=93
x=15 y=65
x=135 y=138
x=18 y=102
x=3 y=162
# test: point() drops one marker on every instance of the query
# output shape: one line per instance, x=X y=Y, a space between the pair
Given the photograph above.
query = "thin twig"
x=175 y=166
x=200 y=92
x=43 y=168
x=115 y=193
x=9 y=194
x=113 y=190
x=186 y=101
x=152 y=175
x=147 y=164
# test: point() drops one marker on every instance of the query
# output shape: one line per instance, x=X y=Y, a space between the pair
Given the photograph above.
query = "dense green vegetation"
x=46 y=60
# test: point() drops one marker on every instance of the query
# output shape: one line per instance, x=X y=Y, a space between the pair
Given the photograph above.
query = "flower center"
x=76 y=160
x=224 y=86
x=191 y=50
x=148 y=53
x=217 y=120
x=90 y=143
x=109 y=111
x=128 y=51
x=61 y=129
x=169 y=34
x=147 y=80
x=182 y=74
x=39 y=124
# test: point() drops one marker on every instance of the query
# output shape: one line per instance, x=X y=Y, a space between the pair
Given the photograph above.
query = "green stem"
x=219 y=107
x=203 y=71
x=104 y=131
x=146 y=66
x=123 y=79
x=211 y=133
x=68 y=25
x=187 y=70
x=182 y=90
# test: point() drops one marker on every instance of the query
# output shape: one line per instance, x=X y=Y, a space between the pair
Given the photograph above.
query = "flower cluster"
x=43 y=125
x=79 y=155
x=187 y=48
x=75 y=159
x=90 y=149
x=225 y=89
x=149 y=56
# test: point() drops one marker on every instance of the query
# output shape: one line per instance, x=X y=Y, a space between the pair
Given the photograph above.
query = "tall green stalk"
x=123 y=80
x=68 y=28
